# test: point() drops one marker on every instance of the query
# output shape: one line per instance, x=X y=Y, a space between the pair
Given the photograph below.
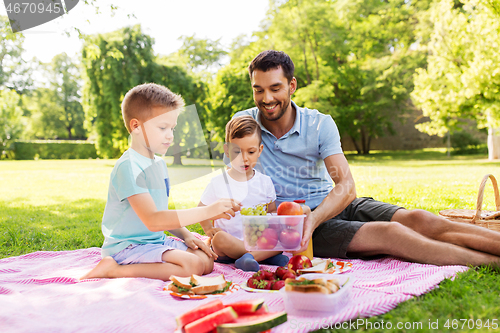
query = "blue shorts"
x=147 y=253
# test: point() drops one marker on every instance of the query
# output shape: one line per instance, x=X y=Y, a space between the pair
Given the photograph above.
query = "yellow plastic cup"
x=309 y=251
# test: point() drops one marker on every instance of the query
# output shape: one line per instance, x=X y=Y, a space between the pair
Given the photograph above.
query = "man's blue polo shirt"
x=295 y=161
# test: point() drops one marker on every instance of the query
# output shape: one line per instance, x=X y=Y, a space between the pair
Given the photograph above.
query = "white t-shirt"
x=258 y=190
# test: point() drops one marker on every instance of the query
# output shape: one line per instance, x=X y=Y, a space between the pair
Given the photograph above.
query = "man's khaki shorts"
x=331 y=238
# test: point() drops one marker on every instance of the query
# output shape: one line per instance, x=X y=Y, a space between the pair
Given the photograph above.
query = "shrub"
x=464 y=143
x=52 y=149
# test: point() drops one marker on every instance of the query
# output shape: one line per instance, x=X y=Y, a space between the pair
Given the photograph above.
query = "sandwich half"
x=181 y=285
x=320 y=268
x=207 y=285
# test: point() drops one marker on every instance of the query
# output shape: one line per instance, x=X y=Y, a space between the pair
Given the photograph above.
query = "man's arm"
x=161 y=220
x=337 y=200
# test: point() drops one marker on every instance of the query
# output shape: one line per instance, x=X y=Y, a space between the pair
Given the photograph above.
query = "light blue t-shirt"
x=295 y=161
x=133 y=174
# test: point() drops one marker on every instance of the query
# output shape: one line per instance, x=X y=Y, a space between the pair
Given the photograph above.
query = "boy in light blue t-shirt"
x=136 y=213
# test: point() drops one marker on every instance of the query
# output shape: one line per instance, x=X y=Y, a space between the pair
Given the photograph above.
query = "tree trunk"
x=176 y=150
x=367 y=145
x=494 y=143
x=69 y=133
x=178 y=159
x=363 y=140
x=355 y=145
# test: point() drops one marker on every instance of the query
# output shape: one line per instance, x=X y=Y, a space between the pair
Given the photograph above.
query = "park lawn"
x=57 y=205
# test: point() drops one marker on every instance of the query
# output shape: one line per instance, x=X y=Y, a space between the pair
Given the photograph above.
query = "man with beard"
x=302 y=155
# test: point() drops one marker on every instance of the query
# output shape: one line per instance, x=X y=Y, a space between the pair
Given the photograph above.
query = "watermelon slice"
x=247 y=307
x=199 y=312
x=253 y=323
x=208 y=323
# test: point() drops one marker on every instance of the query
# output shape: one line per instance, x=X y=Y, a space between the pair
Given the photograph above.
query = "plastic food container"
x=317 y=302
x=272 y=232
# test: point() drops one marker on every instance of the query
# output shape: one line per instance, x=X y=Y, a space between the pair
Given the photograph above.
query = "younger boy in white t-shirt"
x=246 y=185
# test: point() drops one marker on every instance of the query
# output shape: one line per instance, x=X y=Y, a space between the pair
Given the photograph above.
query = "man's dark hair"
x=272 y=59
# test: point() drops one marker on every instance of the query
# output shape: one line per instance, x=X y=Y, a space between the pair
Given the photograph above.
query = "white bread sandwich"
x=181 y=285
x=198 y=285
x=321 y=267
x=208 y=285
x=312 y=286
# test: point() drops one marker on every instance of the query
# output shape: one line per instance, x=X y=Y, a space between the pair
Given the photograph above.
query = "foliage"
x=52 y=149
x=464 y=143
x=462 y=78
x=353 y=60
x=114 y=63
x=198 y=54
x=57 y=111
x=14 y=71
x=229 y=94
x=11 y=122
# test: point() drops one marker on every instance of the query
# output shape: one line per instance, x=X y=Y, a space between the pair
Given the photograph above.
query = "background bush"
x=465 y=143
x=51 y=149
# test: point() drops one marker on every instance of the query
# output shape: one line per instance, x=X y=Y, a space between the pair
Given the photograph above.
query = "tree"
x=116 y=62
x=198 y=54
x=58 y=112
x=353 y=60
x=14 y=71
x=462 y=78
x=11 y=124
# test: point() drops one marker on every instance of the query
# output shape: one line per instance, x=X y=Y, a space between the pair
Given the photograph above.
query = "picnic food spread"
x=198 y=285
x=238 y=317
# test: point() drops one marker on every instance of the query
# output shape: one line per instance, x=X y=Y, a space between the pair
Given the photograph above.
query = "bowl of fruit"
x=270 y=232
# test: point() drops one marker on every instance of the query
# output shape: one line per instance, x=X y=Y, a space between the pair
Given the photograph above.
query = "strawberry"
x=268 y=275
x=258 y=276
x=253 y=283
x=277 y=285
x=288 y=275
x=264 y=284
x=280 y=271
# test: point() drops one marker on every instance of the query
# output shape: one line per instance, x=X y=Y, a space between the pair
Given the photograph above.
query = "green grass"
x=58 y=205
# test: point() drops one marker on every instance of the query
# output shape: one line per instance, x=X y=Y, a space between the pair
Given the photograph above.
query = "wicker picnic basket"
x=483 y=218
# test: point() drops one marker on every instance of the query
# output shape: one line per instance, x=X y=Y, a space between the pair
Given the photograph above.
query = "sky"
x=164 y=20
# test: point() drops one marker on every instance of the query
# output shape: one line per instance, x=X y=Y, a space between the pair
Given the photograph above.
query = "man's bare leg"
x=439 y=228
x=177 y=262
x=225 y=244
x=393 y=238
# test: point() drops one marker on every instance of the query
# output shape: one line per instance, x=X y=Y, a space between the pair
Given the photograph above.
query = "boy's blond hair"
x=139 y=102
x=240 y=127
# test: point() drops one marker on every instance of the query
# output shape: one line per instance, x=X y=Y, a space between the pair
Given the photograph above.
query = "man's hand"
x=210 y=232
x=194 y=243
x=225 y=208
x=309 y=227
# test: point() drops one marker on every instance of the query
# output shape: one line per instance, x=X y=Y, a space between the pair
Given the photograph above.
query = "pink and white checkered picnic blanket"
x=39 y=292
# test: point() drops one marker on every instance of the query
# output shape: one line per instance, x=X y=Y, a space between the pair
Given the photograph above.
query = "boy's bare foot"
x=102 y=270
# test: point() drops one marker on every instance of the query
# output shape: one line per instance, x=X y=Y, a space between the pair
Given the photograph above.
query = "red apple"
x=290 y=238
x=268 y=240
x=290 y=208
x=299 y=261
